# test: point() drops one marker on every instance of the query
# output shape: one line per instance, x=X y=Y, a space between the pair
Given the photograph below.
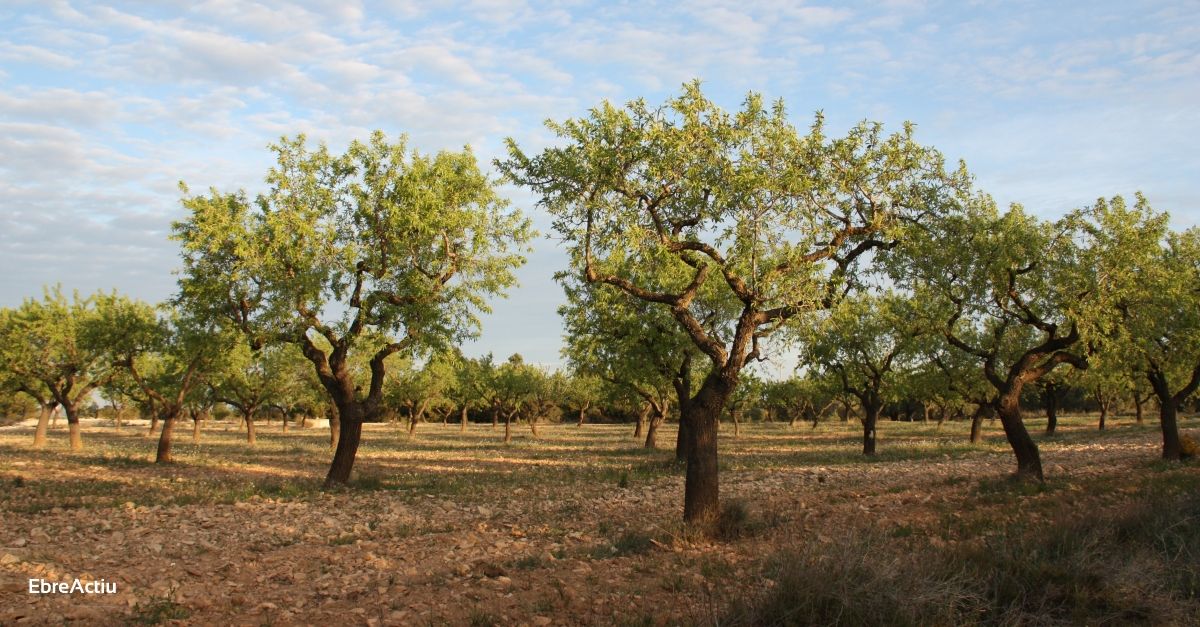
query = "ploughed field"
x=582 y=526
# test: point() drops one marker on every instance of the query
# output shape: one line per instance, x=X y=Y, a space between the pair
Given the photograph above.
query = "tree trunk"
x=196 y=428
x=462 y=423
x=1168 y=420
x=350 y=417
x=681 y=438
x=153 y=423
x=583 y=412
x=977 y=424
x=1103 y=414
x=39 y=434
x=652 y=428
x=507 y=427
x=1050 y=400
x=533 y=425
x=495 y=417
x=283 y=416
x=701 y=505
x=250 y=435
x=76 y=437
x=870 y=420
x=641 y=421
x=164 y=439
x=1029 y=461
x=1137 y=407
x=737 y=423
x=335 y=428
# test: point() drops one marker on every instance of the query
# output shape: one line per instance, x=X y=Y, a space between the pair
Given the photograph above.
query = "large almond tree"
x=702 y=211
x=376 y=251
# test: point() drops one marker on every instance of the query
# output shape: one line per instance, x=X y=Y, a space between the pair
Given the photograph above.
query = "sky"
x=106 y=107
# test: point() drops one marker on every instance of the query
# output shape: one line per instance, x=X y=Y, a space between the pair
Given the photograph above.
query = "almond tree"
x=864 y=341
x=1006 y=290
x=630 y=343
x=49 y=348
x=755 y=218
x=167 y=353
x=1147 y=313
x=377 y=251
x=252 y=380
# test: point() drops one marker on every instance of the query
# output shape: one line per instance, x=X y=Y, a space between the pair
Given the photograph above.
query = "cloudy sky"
x=104 y=107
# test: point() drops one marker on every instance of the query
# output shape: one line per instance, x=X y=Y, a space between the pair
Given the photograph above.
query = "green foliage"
x=397 y=242
x=54 y=349
x=656 y=201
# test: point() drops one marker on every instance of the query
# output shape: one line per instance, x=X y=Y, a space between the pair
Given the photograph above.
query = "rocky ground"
x=577 y=527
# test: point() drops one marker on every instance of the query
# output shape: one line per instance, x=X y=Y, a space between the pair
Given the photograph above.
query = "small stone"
x=541 y=621
x=20 y=542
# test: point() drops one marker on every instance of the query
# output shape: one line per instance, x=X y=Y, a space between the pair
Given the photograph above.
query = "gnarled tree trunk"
x=1029 y=461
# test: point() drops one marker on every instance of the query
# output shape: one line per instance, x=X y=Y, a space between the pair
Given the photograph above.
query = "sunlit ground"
x=581 y=525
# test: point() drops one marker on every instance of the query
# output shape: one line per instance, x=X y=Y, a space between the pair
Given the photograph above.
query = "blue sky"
x=104 y=107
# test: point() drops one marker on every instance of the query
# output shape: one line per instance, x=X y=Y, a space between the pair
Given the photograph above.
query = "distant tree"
x=630 y=343
x=377 y=243
x=168 y=354
x=50 y=347
x=1147 y=310
x=420 y=389
x=864 y=341
x=1004 y=289
x=251 y=381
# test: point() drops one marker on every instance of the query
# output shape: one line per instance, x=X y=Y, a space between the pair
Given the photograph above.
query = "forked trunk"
x=1029 y=461
x=583 y=413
